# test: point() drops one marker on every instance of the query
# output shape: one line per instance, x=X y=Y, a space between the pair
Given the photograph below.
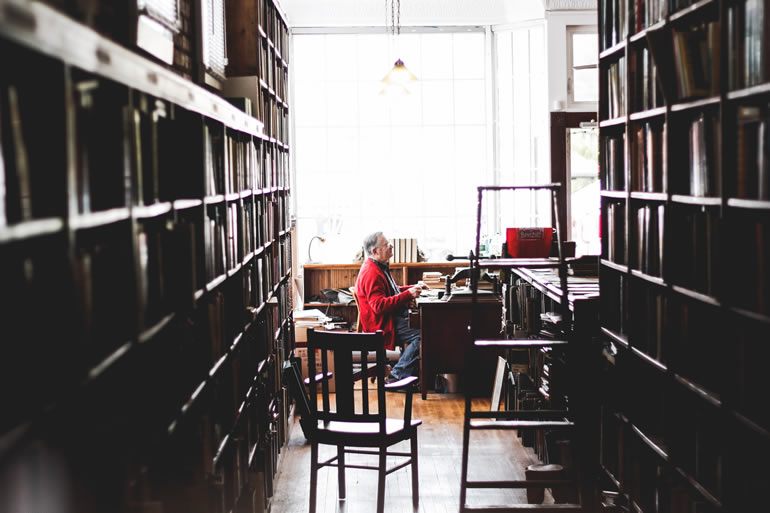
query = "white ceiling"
x=372 y=13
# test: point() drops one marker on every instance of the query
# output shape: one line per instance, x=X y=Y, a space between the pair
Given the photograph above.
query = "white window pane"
x=341 y=57
x=375 y=150
x=437 y=102
x=309 y=58
x=585 y=49
x=438 y=142
x=309 y=104
x=408 y=151
x=343 y=148
x=436 y=56
x=438 y=242
x=312 y=140
x=469 y=101
x=586 y=85
x=373 y=108
x=314 y=202
x=407 y=109
x=468 y=53
x=537 y=56
x=342 y=103
x=373 y=61
x=471 y=150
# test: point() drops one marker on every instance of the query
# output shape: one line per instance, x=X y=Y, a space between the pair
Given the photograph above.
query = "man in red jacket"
x=383 y=305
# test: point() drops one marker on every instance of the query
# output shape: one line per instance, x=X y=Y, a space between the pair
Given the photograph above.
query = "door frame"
x=560 y=122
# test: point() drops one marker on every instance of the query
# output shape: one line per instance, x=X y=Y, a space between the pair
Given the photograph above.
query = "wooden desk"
x=445 y=339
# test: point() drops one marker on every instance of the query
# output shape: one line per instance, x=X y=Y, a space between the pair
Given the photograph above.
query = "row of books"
x=648 y=150
x=687 y=60
x=648 y=256
x=614 y=22
x=695 y=257
x=646 y=12
x=650 y=325
x=753 y=152
x=276 y=120
x=615 y=238
x=32 y=167
x=404 y=250
x=616 y=89
x=651 y=483
x=234 y=163
x=704 y=155
x=748 y=36
x=697 y=55
x=614 y=166
x=749 y=241
x=647 y=90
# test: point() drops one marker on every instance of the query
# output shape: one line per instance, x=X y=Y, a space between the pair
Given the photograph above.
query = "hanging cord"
x=398 y=18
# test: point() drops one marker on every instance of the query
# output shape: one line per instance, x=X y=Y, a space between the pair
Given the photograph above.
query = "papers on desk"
x=313 y=318
x=466 y=294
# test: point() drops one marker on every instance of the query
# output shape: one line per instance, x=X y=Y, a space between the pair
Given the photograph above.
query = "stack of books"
x=404 y=251
x=432 y=279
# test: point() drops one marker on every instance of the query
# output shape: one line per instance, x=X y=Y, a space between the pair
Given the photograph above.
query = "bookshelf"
x=683 y=273
x=145 y=256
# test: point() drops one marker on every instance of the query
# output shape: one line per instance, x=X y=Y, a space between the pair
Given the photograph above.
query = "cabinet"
x=684 y=285
x=145 y=262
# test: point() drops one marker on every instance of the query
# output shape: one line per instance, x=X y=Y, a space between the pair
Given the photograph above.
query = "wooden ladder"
x=515 y=420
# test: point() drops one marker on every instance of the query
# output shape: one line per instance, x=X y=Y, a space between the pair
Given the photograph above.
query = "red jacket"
x=374 y=304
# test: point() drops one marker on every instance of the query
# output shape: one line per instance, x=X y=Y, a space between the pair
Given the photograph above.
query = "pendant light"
x=399 y=79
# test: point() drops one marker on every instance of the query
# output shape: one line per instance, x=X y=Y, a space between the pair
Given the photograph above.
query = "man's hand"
x=415 y=291
x=423 y=285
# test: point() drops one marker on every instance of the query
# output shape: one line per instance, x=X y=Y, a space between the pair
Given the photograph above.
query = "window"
x=408 y=166
x=522 y=128
x=583 y=72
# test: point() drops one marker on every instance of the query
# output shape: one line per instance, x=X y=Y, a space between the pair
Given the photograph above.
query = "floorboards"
x=494 y=455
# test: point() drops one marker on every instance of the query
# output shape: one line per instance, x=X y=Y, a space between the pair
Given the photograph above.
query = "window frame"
x=572 y=30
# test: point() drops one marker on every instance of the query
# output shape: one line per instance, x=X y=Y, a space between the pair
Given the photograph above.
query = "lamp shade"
x=398 y=80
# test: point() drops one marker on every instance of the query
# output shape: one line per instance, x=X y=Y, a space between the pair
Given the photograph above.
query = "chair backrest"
x=351 y=401
x=359 y=328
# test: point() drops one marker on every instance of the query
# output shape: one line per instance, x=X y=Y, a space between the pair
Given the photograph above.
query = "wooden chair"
x=345 y=420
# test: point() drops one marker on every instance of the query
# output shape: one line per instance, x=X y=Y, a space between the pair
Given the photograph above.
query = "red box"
x=529 y=242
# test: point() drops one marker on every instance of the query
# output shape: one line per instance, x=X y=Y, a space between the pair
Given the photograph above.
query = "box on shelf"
x=529 y=242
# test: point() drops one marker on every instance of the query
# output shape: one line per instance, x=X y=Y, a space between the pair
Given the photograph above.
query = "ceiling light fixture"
x=399 y=79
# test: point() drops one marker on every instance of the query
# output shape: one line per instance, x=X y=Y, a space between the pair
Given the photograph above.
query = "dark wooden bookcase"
x=685 y=316
x=145 y=275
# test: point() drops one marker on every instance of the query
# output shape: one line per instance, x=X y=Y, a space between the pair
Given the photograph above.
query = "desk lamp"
x=310 y=245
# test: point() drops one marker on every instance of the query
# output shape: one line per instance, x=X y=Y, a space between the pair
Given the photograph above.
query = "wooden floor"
x=494 y=455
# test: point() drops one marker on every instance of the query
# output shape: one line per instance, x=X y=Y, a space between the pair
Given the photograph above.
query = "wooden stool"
x=542 y=472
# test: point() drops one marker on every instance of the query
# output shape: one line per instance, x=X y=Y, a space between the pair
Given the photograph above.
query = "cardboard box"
x=301 y=353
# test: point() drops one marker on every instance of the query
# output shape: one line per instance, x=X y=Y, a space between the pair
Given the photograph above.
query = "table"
x=445 y=341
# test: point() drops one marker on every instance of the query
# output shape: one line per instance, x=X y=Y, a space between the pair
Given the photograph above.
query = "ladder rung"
x=521 y=483
x=541 y=508
x=529 y=263
x=523 y=342
x=520 y=414
x=520 y=424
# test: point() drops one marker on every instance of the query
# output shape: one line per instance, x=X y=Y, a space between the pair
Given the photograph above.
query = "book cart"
x=685 y=318
x=145 y=264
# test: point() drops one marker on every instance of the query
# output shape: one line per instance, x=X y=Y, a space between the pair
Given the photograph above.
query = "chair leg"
x=313 y=475
x=381 y=473
x=341 y=471
x=415 y=473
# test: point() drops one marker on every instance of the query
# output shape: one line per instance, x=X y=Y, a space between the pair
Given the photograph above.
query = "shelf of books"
x=145 y=262
x=685 y=285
